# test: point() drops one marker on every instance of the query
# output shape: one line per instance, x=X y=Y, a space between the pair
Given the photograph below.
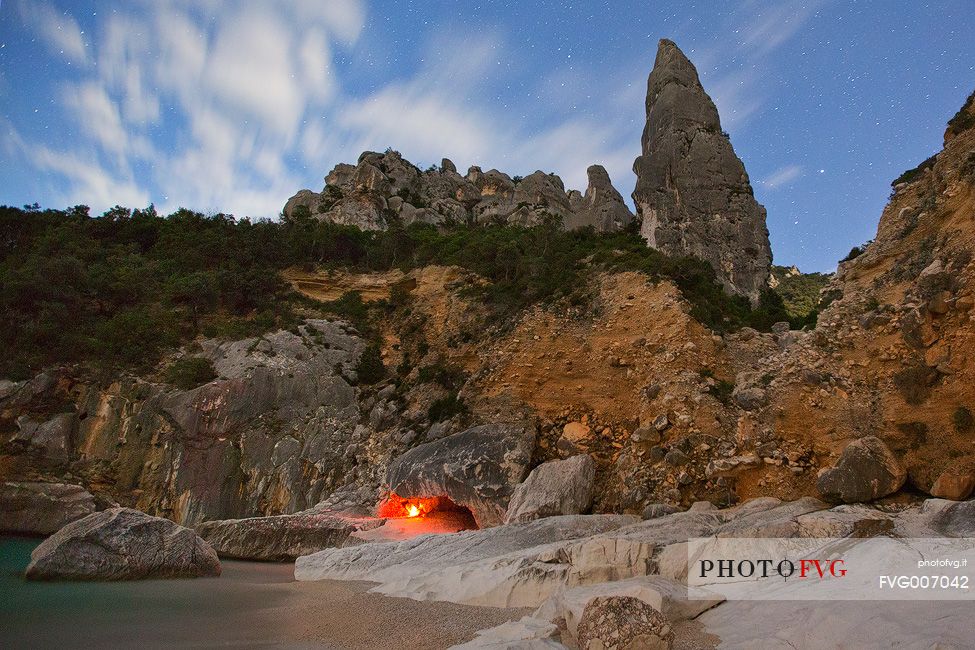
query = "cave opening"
x=437 y=510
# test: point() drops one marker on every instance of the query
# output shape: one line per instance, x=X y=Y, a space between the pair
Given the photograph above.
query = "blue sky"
x=233 y=105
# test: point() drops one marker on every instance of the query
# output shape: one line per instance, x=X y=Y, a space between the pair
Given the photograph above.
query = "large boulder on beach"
x=32 y=508
x=283 y=537
x=122 y=544
x=478 y=469
x=558 y=487
x=669 y=597
x=623 y=623
x=866 y=470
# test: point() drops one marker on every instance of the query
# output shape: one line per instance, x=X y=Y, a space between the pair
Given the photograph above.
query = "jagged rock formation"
x=384 y=186
x=601 y=207
x=692 y=191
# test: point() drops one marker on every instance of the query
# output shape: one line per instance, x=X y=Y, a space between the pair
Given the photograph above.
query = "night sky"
x=232 y=106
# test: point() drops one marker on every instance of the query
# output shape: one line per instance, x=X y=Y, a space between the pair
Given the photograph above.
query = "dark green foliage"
x=351 y=308
x=915 y=382
x=963 y=420
x=449 y=377
x=119 y=289
x=190 y=372
x=856 y=252
x=370 y=368
x=915 y=432
x=800 y=295
x=913 y=174
x=721 y=390
x=446 y=408
x=964 y=119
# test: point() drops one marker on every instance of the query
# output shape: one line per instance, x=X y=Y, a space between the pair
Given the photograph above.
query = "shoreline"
x=257 y=604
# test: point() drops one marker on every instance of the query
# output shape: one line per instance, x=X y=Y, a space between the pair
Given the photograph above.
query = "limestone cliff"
x=692 y=191
x=385 y=187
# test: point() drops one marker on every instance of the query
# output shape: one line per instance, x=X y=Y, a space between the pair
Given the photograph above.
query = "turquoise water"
x=147 y=613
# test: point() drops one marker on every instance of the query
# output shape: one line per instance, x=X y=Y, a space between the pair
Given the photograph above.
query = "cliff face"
x=670 y=411
x=891 y=356
x=692 y=191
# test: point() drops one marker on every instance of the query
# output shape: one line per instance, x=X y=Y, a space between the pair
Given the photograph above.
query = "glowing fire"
x=396 y=506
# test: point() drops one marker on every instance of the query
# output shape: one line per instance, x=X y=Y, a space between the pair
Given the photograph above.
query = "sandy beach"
x=251 y=604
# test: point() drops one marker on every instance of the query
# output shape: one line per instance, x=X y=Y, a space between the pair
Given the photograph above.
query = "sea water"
x=144 y=613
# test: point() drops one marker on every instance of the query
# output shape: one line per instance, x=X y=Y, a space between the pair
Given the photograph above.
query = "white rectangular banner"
x=875 y=568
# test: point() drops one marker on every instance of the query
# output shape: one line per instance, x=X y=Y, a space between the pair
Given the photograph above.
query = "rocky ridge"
x=383 y=188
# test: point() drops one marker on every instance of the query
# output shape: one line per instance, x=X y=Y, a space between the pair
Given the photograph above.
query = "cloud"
x=59 y=32
x=773 y=25
x=734 y=71
x=245 y=93
x=203 y=100
x=89 y=182
x=736 y=96
x=782 y=176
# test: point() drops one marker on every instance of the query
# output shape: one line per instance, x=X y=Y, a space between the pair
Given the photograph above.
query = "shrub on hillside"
x=190 y=372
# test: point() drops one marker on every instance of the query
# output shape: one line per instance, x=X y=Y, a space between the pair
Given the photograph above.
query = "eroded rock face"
x=602 y=207
x=692 y=191
x=268 y=436
x=52 y=438
x=382 y=186
x=478 y=469
x=558 y=487
x=42 y=508
x=122 y=544
x=623 y=623
x=866 y=470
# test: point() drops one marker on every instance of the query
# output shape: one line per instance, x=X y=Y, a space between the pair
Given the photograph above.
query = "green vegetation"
x=963 y=420
x=721 y=389
x=449 y=377
x=190 y=372
x=915 y=382
x=800 y=294
x=912 y=174
x=964 y=119
x=370 y=368
x=915 y=432
x=120 y=289
x=856 y=252
x=446 y=408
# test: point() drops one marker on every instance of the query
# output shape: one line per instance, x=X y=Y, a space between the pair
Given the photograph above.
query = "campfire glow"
x=398 y=507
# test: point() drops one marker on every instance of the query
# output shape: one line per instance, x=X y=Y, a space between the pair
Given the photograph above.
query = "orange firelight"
x=396 y=506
